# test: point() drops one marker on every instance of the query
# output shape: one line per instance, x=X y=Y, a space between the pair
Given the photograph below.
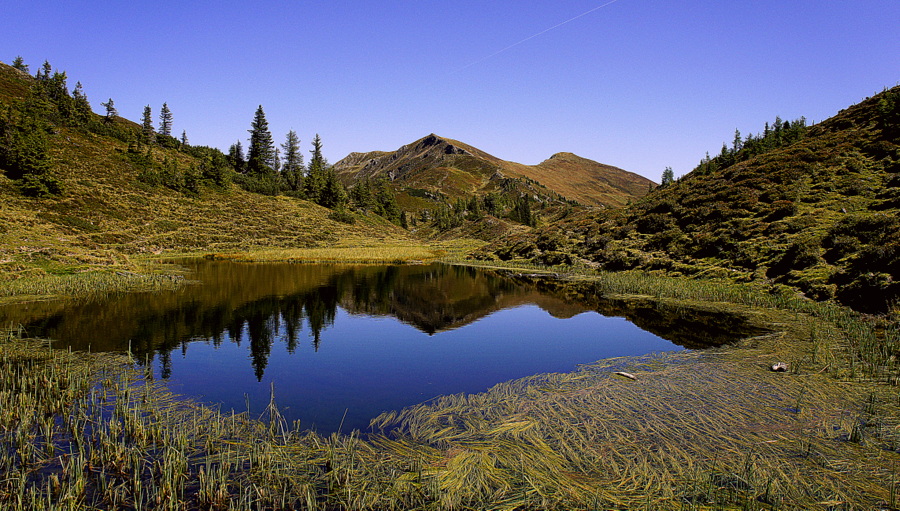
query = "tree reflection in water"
x=265 y=304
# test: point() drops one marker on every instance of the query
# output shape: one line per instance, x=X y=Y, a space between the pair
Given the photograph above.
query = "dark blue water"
x=342 y=344
x=366 y=365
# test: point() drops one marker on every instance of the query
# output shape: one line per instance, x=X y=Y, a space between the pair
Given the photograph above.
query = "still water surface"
x=341 y=343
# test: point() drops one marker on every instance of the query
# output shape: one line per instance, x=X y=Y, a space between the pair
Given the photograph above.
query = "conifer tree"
x=386 y=201
x=668 y=177
x=111 y=112
x=261 y=155
x=292 y=170
x=19 y=63
x=333 y=195
x=184 y=139
x=362 y=196
x=82 y=107
x=165 y=120
x=44 y=73
x=315 y=176
x=149 y=136
x=236 y=156
x=25 y=152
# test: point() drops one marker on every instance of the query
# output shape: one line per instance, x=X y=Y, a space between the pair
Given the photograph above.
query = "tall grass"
x=694 y=430
x=87 y=284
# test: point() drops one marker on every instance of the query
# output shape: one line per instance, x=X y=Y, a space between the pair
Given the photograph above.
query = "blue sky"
x=640 y=84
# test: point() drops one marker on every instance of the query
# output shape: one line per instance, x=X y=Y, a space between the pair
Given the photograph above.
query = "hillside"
x=109 y=209
x=436 y=165
x=819 y=214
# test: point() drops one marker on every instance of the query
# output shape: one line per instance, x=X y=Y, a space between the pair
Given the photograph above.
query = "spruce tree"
x=236 y=157
x=43 y=74
x=147 y=133
x=261 y=155
x=668 y=177
x=315 y=176
x=292 y=170
x=165 y=120
x=25 y=152
x=19 y=63
x=333 y=195
x=111 y=112
x=82 y=107
x=362 y=196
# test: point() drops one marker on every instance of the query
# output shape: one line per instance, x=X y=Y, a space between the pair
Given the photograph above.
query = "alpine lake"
x=339 y=344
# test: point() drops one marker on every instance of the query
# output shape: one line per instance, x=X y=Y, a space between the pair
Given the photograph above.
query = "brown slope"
x=443 y=165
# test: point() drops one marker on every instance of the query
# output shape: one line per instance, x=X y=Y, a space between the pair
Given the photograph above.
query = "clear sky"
x=640 y=84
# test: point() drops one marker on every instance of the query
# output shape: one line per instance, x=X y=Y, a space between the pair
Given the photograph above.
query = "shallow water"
x=343 y=343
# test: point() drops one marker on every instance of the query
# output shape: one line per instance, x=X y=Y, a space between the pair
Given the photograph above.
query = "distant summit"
x=440 y=165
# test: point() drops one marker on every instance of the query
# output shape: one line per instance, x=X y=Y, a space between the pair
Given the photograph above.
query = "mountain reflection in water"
x=372 y=362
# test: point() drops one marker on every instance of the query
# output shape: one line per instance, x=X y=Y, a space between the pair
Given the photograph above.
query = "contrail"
x=479 y=61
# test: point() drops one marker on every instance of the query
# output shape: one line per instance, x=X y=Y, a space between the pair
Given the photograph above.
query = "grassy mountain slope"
x=821 y=215
x=436 y=165
x=586 y=181
x=106 y=213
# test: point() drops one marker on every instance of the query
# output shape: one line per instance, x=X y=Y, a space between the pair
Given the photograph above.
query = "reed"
x=695 y=430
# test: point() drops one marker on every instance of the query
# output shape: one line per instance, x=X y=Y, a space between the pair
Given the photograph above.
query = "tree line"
x=25 y=152
x=269 y=169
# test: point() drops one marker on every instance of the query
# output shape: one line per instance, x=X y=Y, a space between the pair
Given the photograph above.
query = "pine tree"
x=149 y=136
x=261 y=155
x=184 y=139
x=315 y=176
x=165 y=120
x=111 y=112
x=19 y=63
x=292 y=170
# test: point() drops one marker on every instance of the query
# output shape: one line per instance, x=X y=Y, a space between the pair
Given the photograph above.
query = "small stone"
x=779 y=367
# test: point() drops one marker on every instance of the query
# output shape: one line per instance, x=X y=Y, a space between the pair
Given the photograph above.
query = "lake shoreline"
x=683 y=431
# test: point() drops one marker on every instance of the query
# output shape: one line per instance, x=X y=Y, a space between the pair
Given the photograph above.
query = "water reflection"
x=344 y=343
x=266 y=303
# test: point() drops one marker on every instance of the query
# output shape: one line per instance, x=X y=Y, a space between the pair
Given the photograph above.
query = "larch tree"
x=165 y=120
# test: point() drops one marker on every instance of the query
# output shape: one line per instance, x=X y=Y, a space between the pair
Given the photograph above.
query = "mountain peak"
x=441 y=165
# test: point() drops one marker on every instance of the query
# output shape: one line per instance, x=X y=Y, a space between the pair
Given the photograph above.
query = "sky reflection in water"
x=341 y=343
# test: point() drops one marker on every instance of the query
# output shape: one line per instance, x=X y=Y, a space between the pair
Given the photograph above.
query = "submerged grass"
x=694 y=430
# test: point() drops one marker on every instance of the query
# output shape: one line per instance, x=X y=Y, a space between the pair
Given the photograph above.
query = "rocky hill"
x=816 y=209
x=435 y=166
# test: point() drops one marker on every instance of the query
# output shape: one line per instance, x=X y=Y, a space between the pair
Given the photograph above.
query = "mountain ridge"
x=589 y=182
